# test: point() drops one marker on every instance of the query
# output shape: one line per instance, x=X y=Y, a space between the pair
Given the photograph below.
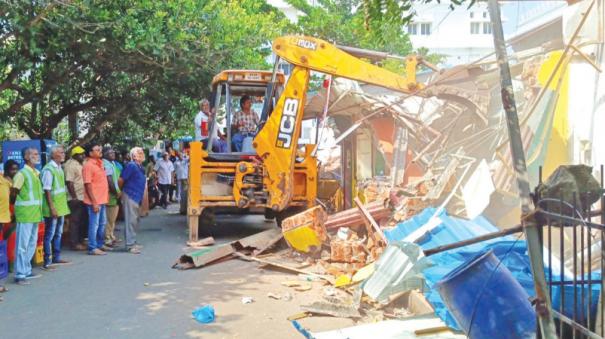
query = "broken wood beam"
x=373 y=226
x=352 y=217
x=335 y=310
x=285 y=267
x=260 y=241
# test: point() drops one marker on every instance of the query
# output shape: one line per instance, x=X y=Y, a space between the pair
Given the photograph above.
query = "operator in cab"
x=245 y=123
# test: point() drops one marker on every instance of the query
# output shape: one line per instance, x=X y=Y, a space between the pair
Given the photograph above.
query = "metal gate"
x=573 y=235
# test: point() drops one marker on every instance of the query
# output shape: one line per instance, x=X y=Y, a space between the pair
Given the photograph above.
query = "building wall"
x=446 y=31
x=463 y=34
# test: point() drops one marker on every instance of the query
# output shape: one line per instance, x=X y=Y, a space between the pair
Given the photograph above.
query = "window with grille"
x=487 y=28
x=475 y=27
x=413 y=29
x=425 y=29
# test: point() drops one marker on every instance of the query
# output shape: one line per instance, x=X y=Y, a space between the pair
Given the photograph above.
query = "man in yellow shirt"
x=10 y=169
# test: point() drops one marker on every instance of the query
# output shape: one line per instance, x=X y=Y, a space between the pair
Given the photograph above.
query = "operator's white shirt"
x=200 y=119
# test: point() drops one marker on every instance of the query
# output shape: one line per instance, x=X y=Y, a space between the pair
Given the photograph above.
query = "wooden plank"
x=285 y=267
x=335 y=310
x=207 y=256
x=369 y=220
x=261 y=240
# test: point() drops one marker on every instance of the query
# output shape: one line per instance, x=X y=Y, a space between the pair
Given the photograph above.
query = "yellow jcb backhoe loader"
x=274 y=176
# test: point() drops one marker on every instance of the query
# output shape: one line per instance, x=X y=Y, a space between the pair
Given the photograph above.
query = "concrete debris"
x=306 y=231
x=348 y=251
x=258 y=242
x=325 y=308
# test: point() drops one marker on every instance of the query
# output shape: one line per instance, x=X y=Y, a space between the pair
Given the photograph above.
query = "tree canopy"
x=127 y=64
x=135 y=69
x=344 y=22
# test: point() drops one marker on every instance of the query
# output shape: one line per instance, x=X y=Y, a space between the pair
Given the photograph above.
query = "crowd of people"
x=168 y=178
x=88 y=190
x=91 y=188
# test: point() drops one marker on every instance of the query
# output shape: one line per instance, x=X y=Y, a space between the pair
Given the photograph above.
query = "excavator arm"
x=321 y=56
x=277 y=142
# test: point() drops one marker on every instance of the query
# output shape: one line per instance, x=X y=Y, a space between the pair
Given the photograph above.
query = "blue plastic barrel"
x=486 y=300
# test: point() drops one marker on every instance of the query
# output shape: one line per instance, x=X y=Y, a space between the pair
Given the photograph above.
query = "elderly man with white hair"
x=54 y=207
x=132 y=182
x=28 y=213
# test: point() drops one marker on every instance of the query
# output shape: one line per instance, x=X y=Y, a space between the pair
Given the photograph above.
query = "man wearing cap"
x=96 y=197
x=78 y=219
x=28 y=213
x=54 y=207
x=113 y=207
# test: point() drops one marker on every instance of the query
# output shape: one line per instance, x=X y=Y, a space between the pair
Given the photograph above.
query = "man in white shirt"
x=164 y=169
x=182 y=174
x=202 y=121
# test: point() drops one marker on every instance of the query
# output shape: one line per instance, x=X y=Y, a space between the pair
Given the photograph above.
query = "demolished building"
x=429 y=192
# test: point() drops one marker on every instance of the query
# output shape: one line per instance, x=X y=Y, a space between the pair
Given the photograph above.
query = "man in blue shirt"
x=132 y=182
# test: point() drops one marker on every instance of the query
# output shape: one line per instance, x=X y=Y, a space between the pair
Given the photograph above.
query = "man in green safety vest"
x=28 y=213
x=54 y=207
x=113 y=206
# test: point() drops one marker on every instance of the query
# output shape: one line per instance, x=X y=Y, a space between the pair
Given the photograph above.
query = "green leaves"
x=344 y=22
x=147 y=60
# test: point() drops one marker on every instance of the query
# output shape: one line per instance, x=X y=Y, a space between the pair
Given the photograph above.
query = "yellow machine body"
x=278 y=175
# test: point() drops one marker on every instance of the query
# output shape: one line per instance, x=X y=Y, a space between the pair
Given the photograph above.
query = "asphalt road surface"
x=123 y=295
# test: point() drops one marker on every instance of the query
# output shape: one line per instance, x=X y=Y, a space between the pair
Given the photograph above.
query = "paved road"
x=123 y=295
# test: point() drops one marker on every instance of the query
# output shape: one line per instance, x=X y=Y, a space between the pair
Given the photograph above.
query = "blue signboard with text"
x=12 y=150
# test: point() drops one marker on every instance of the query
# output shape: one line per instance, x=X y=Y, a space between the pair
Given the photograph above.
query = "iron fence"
x=573 y=234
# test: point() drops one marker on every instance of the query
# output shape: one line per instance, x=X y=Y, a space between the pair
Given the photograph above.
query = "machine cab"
x=228 y=87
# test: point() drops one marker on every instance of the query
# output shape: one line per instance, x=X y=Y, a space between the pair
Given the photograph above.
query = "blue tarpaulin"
x=452 y=230
x=512 y=253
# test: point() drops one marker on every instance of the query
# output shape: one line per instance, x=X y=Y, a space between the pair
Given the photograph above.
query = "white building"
x=464 y=34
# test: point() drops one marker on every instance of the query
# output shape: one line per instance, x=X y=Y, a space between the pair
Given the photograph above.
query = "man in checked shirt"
x=245 y=122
